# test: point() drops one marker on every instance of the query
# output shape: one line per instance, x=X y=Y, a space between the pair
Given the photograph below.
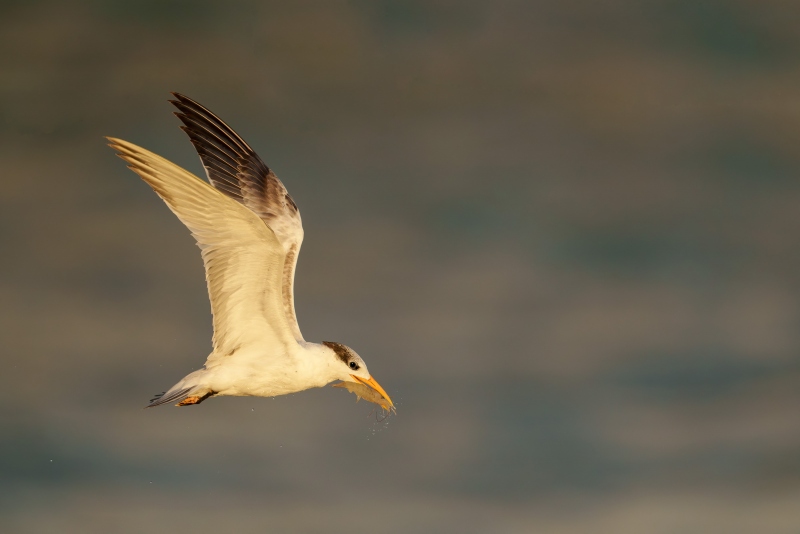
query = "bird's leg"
x=195 y=399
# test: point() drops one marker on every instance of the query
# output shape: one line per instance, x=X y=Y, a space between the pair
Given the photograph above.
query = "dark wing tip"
x=180 y=96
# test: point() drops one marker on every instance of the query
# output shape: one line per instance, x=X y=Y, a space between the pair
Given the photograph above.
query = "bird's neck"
x=317 y=364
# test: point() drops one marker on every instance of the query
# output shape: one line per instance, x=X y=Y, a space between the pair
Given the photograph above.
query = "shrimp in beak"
x=369 y=390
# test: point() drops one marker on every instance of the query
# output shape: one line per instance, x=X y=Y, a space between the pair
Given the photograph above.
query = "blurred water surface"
x=564 y=236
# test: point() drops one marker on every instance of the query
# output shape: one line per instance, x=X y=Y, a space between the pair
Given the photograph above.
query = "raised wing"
x=242 y=256
x=236 y=170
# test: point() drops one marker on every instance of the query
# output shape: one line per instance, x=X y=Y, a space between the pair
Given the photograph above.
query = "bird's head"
x=352 y=369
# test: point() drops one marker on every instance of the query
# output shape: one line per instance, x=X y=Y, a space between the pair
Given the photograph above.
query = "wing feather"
x=243 y=258
x=235 y=169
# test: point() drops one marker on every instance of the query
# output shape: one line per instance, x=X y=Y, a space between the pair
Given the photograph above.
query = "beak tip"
x=372 y=383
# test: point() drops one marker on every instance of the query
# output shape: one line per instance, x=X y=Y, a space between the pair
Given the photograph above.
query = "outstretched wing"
x=243 y=258
x=236 y=170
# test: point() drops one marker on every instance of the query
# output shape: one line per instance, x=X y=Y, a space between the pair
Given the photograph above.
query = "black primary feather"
x=232 y=166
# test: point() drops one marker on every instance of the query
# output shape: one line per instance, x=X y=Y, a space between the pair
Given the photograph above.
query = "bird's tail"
x=163 y=398
x=190 y=390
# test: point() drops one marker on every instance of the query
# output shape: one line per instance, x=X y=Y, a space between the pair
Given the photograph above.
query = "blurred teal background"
x=564 y=235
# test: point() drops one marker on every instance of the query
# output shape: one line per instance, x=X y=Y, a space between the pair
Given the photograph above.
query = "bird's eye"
x=353 y=366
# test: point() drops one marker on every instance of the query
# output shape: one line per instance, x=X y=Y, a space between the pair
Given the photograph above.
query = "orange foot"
x=190 y=400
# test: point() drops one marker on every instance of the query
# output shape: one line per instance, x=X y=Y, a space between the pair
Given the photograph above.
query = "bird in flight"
x=249 y=232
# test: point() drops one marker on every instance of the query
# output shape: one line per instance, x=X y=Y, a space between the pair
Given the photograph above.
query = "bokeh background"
x=564 y=235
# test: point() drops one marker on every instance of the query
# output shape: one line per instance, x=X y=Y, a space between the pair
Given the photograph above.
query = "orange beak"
x=374 y=385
